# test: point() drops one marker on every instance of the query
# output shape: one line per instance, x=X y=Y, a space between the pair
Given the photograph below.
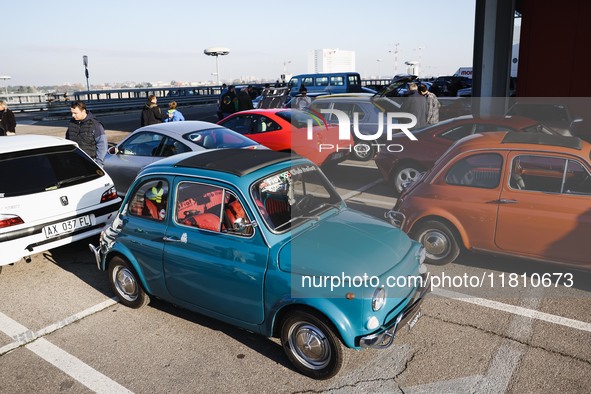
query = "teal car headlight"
x=421 y=256
x=379 y=299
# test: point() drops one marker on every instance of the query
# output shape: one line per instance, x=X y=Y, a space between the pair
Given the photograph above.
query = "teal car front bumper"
x=411 y=313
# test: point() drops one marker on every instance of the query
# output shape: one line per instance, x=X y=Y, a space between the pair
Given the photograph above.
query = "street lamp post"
x=284 y=75
x=217 y=52
x=379 y=74
x=5 y=78
x=395 y=52
x=85 y=62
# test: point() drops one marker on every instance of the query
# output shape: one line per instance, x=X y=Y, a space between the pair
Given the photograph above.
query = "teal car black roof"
x=239 y=162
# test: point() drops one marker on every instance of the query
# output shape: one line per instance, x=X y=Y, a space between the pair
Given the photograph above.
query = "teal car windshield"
x=293 y=196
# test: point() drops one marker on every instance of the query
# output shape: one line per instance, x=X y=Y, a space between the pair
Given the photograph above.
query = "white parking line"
x=57 y=357
x=361 y=189
x=374 y=202
x=516 y=310
x=78 y=370
x=22 y=335
x=358 y=164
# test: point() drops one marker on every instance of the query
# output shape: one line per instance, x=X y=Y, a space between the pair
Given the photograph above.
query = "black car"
x=449 y=85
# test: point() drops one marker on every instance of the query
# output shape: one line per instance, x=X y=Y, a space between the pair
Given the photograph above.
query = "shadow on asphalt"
x=530 y=268
x=77 y=259
x=261 y=344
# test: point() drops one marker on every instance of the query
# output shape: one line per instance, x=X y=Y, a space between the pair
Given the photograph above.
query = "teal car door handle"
x=183 y=239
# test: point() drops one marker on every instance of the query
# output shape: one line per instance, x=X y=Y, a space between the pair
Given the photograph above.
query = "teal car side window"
x=150 y=200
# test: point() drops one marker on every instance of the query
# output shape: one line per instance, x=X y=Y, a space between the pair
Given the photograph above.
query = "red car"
x=404 y=165
x=286 y=129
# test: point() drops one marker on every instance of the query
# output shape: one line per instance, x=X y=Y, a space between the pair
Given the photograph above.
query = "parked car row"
x=237 y=220
x=216 y=224
x=419 y=156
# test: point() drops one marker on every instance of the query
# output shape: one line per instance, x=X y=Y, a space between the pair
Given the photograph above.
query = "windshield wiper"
x=297 y=218
x=327 y=204
x=72 y=180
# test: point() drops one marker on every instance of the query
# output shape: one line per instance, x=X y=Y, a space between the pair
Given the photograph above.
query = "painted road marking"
x=373 y=202
x=57 y=357
x=516 y=310
x=361 y=189
x=77 y=369
x=505 y=362
x=351 y=163
x=22 y=335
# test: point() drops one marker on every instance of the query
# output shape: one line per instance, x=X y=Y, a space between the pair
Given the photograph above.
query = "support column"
x=493 y=43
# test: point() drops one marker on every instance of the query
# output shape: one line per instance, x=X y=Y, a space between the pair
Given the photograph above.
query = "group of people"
x=89 y=133
x=423 y=104
x=151 y=113
x=231 y=102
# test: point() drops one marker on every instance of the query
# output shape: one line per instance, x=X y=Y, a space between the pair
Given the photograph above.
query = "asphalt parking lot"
x=495 y=327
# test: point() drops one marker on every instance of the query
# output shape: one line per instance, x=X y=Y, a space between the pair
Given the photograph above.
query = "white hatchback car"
x=51 y=194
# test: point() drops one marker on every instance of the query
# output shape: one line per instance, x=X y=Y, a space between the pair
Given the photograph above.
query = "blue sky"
x=130 y=40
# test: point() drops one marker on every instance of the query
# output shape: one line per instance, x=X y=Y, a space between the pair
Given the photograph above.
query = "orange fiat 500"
x=520 y=194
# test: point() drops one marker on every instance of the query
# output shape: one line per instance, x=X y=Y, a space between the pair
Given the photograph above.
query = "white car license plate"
x=66 y=227
x=411 y=323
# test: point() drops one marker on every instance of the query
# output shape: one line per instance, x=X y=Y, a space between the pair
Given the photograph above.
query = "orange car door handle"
x=504 y=201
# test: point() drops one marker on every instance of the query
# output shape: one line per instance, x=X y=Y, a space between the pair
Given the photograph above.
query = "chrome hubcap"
x=362 y=151
x=436 y=244
x=309 y=345
x=125 y=283
x=406 y=175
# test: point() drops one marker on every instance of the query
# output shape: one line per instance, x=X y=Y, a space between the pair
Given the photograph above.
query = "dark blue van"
x=327 y=83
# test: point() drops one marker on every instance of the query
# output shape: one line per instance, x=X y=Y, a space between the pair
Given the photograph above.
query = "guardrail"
x=62 y=108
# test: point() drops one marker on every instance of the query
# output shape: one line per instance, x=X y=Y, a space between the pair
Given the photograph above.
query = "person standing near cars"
x=244 y=99
x=174 y=115
x=7 y=120
x=87 y=132
x=223 y=91
x=415 y=104
x=432 y=105
x=302 y=100
x=228 y=101
x=151 y=113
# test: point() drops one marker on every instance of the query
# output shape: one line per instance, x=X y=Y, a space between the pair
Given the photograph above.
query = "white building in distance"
x=330 y=61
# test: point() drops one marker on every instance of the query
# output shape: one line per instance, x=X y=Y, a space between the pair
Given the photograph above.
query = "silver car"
x=151 y=143
x=351 y=103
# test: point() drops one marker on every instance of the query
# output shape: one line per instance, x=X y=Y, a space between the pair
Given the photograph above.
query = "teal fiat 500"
x=262 y=240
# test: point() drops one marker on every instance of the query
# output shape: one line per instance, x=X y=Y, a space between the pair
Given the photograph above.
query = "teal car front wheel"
x=124 y=282
x=312 y=346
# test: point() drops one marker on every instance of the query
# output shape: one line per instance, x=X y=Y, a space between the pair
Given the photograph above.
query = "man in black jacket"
x=87 y=132
x=228 y=101
x=7 y=120
x=244 y=99
x=151 y=113
x=416 y=105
